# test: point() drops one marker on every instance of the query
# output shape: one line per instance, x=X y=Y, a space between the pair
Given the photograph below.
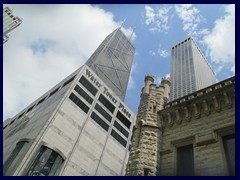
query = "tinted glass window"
x=82 y=93
x=123 y=119
x=46 y=163
x=79 y=103
x=229 y=147
x=106 y=103
x=103 y=112
x=121 y=129
x=122 y=141
x=185 y=163
x=91 y=88
x=98 y=120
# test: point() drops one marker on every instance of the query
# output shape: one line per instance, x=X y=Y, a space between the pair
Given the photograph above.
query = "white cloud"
x=221 y=40
x=149 y=14
x=159 y=78
x=190 y=18
x=152 y=53
x=157 y=20
x=163 y=53
x=49 y=46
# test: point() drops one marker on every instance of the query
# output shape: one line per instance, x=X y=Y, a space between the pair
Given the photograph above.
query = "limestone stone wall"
x=200 y=119
x=144 y=156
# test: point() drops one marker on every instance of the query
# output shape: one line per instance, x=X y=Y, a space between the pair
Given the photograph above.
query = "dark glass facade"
x=112 y=62
x=46 y=163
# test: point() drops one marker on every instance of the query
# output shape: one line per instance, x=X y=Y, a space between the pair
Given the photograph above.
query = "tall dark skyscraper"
x=112 y=61
x=190 y=70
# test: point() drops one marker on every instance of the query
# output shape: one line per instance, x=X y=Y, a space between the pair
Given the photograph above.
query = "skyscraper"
x=112 y=62
x=10 y=22
x=190 y=70
x=79 y=127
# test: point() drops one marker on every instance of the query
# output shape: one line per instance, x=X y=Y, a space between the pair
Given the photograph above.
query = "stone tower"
x=145 y=152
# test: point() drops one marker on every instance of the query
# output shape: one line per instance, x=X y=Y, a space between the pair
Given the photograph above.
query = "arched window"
x=47 y=162
x=15 y=157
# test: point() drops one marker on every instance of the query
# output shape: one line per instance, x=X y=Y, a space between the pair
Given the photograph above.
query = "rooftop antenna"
x=122 y=23
x=132 y=33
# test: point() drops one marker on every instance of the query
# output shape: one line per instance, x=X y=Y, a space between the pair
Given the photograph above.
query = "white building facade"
x=10 y=22
x=190 y=70
x=79 y=127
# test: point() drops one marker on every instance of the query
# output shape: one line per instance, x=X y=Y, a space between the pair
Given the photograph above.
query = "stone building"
x=193 y=135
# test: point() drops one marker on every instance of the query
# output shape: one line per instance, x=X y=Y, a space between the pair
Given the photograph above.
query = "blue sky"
x=51 y=45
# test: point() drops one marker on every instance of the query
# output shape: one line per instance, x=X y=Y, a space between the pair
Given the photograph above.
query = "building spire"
x=132 y=33
x=122 y=23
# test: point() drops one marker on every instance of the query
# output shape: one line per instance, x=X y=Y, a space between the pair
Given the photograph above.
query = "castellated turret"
x=147 y=134
x=149 y=79
x=166 y=83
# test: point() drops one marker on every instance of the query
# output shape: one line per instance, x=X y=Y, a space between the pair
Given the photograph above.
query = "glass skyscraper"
x=190 y=70
x=10 y=22
x=112 y=62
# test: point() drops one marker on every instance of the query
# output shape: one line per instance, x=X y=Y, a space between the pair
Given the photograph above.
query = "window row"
x=121 y=129
x=106 y=103
x=39 y=102
x=103 y=112
x=116 y=136
x=98 y=120
x=123 y=119
x=82 y=93
x=185 y=157
x=79 y=103
x=91 y=88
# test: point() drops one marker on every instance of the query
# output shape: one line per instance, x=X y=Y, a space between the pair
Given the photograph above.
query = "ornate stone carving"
x=170 y=120
x=196 y=111
x=206 y=107
x=186 y=112
x=216 y=104
x=227 y=100
x=178 y=117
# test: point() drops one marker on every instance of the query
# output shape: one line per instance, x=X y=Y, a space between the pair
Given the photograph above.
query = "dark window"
x=14 y=158
x=185 y=163
x=30 y=109
x=154 y=109
x=79 y=103
x=229 y=147
x=54 y=91
x=129 y=148
x=5 y=126
x=103 y=112
x=98 y=120
x=119 y=138
x=123 y=119
x=121 y=129
x=106 y=103
x=41 y=101
x=146 y=172
x=12 y=122
x=88 y=85
x=20 y=116
x=70 y=80
x=47 y=162
x=82 y=93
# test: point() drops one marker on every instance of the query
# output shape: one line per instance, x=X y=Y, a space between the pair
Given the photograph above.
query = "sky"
x=55 y=40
